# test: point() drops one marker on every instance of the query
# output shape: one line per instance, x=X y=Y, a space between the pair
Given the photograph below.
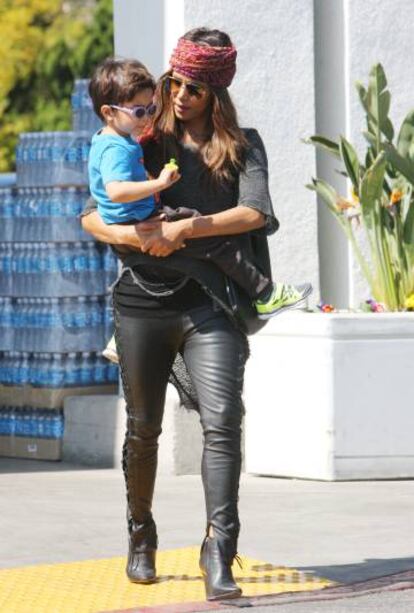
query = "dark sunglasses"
x=174 y=84
x=137 y=111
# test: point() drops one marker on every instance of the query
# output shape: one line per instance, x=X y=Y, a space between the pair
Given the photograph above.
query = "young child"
x=122 y=95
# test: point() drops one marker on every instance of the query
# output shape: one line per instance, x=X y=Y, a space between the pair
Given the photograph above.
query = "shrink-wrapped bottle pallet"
x=55 y=308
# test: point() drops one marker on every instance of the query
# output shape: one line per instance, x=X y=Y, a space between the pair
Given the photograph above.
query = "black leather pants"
x=215 y=354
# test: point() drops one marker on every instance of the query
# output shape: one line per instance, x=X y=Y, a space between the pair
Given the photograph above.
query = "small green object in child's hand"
x=172 y=164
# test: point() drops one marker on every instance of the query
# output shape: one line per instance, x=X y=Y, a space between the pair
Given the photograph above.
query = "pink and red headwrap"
x=215 y=66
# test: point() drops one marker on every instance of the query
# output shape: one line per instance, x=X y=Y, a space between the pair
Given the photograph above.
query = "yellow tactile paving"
x=101 y=585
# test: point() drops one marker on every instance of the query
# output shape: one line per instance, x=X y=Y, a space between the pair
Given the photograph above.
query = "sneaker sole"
x=111 y=355
x=308 y=289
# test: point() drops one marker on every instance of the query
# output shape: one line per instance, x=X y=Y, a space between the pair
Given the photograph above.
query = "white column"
x=331 y=102
x=147 y=30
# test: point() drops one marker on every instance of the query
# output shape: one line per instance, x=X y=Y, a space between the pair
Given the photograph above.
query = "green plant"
x=46 y=45
x=380 y=203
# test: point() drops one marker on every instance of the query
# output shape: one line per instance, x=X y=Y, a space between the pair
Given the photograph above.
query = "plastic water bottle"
x=47 y=175
x=40 y=423
x=3 y=365
x=40 y=377
x=85 y=369
x=56 y=202
x=94 y=257
x=37 y=171
x=6 y=285
x=100 y=369
x=71 y=375
x=6 y=214
x=57 y=370
x=31 y=158
x=83 y=94
x=6 y=326
x=24 y=369
x=95 y=312
x=86 y=147
x=81 y=315
x=21 y=160
x=112 y=372
x=59 y=148
x=56 y=430
x=76 y=106
x=10 y=366
x=4 y=421
x=12 y=420
x=86 y=118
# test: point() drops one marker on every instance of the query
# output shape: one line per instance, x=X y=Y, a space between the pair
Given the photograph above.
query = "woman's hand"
x=161 y=238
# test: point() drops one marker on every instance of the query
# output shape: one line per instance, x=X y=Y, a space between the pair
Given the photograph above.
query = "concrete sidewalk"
x=347 y=531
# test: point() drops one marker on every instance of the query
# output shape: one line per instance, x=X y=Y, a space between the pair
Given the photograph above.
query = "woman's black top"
x=195 y=190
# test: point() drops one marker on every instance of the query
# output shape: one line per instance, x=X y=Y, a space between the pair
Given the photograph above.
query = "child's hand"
x=168 y=176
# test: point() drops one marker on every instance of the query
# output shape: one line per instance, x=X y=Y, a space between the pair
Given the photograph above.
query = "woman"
x=176 y=305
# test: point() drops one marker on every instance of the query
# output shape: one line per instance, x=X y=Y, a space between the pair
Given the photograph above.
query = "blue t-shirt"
x=117 y=158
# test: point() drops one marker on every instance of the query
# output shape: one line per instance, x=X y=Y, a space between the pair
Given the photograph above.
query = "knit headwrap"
x=215 y=66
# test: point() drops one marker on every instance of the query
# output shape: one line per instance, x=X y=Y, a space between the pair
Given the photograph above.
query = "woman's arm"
x=114 y=234
x=139 y=236
x=237 y=220
x=169 y=236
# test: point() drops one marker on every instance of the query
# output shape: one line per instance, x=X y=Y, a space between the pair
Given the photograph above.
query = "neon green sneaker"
x=282 y=298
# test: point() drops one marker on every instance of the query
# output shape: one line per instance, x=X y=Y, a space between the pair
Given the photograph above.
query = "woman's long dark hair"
x=223 y=152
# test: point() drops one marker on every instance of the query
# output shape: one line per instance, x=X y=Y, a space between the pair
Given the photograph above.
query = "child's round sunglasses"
x=139 y=111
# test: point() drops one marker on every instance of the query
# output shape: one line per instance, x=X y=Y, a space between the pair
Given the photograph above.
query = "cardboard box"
x=33 y=448
x=48 y=398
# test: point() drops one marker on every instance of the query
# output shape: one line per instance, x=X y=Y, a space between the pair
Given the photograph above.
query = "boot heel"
x=217 y=575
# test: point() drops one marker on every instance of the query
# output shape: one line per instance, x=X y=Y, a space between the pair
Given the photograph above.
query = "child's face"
x=126 y=123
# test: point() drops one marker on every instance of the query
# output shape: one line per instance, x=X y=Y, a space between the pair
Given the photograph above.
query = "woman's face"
x=191 y=102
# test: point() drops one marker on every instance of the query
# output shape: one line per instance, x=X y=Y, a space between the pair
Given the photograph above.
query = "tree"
x=45 y=45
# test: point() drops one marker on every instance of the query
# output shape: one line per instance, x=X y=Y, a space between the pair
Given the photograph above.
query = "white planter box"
x=331 y=396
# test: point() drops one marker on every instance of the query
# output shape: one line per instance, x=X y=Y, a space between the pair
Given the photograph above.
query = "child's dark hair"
x=116 y=81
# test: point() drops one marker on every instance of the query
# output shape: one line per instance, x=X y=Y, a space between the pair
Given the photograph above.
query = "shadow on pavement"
x=362 y=571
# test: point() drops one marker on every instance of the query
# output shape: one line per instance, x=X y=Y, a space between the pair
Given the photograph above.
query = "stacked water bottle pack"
x=55 y=370
x=32 y=423
x=55 y=314
x=28 y=432
x=55 y=269
x=42 y=214
x=83 y=115
x=52 y=158
x=48 y=324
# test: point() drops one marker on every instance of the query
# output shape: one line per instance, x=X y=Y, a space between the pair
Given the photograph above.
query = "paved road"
x=402 y=602
x=347 y=532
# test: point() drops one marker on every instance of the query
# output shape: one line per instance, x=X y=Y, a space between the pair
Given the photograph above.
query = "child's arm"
x=130 y=191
